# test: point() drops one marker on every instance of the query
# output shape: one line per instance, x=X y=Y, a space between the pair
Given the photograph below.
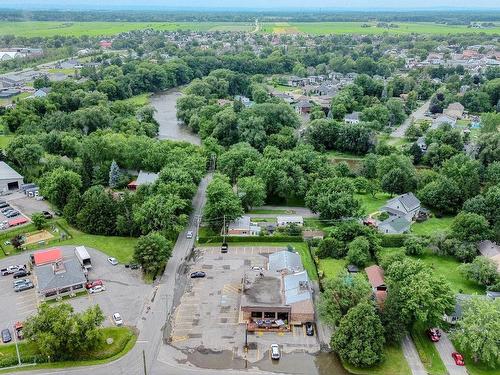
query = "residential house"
x=394 y=225
x=456 y=314
x=443 y=119
x=352 y=118
x=244 y=100
x=405 y=205
x=243 y=227
x=303 y=107
x=142 y=179
x=422 y=144
x=284 y=221
x=376 y=279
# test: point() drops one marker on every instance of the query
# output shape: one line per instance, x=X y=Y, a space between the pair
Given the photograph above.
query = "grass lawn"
x=123 y=340
x=394 y=363
x=137 y=100
x=446 y=266
x=331 y=267
x=262 y=219
x=300 y=247
x=312 y=223
x=68 y=71
x=372 y=204
x=427 y=351
x=432 y=225
x=5 y=140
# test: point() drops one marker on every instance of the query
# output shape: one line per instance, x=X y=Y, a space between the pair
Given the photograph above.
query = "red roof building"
x=47 y=257
x=18 y=221
x=376 y=279
x=105 y=44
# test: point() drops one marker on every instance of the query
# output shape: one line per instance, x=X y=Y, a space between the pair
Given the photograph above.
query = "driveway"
x=418 y=114
x=412 y=357
x=445 y=348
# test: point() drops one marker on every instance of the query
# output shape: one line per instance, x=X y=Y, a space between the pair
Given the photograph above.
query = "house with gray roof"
x=243 y=226
x=9 y=178
x=405 y=205
x=352 y=118
x=394 y=225
x=61 y=278
x=443 y=119
x=285 y=261
x=143 y=178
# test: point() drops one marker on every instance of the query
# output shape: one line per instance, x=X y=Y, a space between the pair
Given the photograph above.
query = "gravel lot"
x=125 y=292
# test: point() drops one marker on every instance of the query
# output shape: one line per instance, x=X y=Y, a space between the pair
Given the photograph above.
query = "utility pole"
x=224 y=230
x=144 y=362
x=17 y=347
x=198 y=223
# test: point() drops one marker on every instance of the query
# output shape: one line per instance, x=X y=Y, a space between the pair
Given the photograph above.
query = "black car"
x=4 y=204
x=198 y=274
x=12 y=214
x=224 y=248
x=21 y=273
x=309 y=329
x=6 y=209
x=23 y=287
x=47 y=214
x=6 y=336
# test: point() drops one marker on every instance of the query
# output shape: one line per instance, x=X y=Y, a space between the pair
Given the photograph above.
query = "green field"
x=51 y=28
x=323 y=28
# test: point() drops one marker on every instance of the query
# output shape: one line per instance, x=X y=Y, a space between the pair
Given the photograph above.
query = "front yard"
x=394 y=363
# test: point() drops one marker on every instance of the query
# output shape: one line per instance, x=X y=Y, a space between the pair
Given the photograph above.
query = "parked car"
x=47 y=214
x=6 y=209
x=21 y=273
x=11 y=269
x=6 y=336
x=12 y=214
x=113 y=261
x=257 y=268
x=275 y=351
x=134 y=266
x=97 y=289
x=458 y=358
x=18 y=327
x=23 y=287
x=309 y=329
x=4 y=204
x=434 y=334
x=198 y=274
x=20 y=281
x=224 y=248
x=94 y=283
x=117 y=319
x=189 y=234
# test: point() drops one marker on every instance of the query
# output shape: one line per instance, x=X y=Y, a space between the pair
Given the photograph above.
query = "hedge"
x=393 y=240
x=218 y=239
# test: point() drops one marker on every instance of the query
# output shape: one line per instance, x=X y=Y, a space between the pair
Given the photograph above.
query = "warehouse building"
x=9 y=178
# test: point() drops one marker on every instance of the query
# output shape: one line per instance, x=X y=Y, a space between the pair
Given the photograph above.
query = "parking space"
x=208 y=315
x=26 y=205
x=125 y=292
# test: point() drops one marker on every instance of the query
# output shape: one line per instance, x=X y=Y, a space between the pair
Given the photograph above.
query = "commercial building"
x=64 y=277
x=9 y=178
x=276 y=298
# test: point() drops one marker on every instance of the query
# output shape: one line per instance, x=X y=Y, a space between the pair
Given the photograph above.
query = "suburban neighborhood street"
x=445 y=347
x=418 y=114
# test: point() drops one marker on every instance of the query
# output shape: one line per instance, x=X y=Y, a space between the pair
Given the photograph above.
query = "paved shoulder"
x=445 y=347
x=411 y=354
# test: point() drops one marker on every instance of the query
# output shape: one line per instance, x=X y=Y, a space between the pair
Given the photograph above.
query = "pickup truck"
x=11 y=269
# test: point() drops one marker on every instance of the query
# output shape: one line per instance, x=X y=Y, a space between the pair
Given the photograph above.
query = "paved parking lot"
x=125 y=292
x=27 y=206
x=208 y=315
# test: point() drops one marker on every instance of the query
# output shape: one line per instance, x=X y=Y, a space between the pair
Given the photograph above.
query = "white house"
x=283 y=221
x=405 y=205
x=352 y=118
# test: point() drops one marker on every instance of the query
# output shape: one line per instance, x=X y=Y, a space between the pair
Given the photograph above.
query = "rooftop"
x=146 y=178
x=264 y=290
x=296 y=288
x=7 y=172
x=48 y=256
x=375 y=275
x=68 y=273
x=285 y=260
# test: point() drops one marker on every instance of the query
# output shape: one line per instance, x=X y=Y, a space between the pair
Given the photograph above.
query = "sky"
x=253 y=5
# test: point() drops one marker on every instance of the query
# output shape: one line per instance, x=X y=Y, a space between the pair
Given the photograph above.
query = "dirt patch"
x=36 y=237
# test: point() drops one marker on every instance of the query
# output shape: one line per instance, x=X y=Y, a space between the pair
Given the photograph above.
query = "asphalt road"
x=418 y=114
x=445 y=347
x=411 y=354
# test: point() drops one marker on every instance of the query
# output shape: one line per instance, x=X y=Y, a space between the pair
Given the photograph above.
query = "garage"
x=9 y=178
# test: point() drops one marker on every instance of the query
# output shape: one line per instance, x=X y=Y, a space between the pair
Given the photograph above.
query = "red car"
x=459 y=359
x=94 y=283
x=434 y=334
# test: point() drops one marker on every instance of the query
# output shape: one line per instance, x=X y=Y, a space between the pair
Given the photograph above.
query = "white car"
x=113 y=261
x=275 y=351
x=117 y=319
x=189 y=234
x=97 y=289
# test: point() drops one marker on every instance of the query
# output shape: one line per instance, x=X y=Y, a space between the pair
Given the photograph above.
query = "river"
x=170 y=127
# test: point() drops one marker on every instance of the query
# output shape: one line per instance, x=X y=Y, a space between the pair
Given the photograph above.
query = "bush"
x=393 y=240
x=331 y=248
x=415 y=245
x=359 y=252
